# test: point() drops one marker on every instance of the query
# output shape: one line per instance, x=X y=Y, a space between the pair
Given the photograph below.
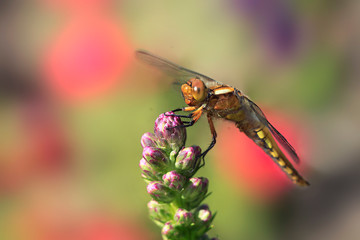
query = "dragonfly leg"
x=184 y=125
x=184 y=109
x=176 y=110
x=213 y=142
x=181 y=116
x=194 y=116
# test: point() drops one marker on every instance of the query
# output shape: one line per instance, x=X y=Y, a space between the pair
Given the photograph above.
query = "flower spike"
x=168 y=168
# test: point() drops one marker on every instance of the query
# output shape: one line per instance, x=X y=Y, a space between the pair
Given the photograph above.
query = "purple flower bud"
x=174 y=180
x=159 y=192
x=184 y=217
x=156 y=158
x=187 y=158
x=148 y=140
x=167 y=130
x=159 y=212
x=196 y=190
x=147 y=172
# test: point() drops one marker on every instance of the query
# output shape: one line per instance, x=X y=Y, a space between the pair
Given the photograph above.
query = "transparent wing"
x=278 y=136
x=179 y=73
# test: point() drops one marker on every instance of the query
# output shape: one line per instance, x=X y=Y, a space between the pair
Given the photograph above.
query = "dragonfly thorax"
x=194 y=92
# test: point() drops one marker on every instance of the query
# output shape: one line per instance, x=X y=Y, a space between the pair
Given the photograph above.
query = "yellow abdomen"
x=263 y=138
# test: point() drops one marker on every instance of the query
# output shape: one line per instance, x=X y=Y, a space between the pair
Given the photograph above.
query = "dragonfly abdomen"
x=263 y=138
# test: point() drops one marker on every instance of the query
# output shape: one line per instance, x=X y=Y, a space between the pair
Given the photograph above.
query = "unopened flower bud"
x=187 y=158
x=159 y=212
x=196 y=190
x=156 y=158
x=169 y=231
x=203 y=219
x=147 y=172
x=148 y=140
x=159 y=192
x=204 y=215
x=174 y=180
x=184 y=217
x=167 y=129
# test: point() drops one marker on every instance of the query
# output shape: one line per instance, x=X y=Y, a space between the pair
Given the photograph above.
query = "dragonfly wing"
x=278 y=136
x=180 y=74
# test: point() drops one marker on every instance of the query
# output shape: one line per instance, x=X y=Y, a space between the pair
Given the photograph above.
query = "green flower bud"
x=156 y=158
x=159 y=212
x=169 y=232
x=203 y=219
x=147 y=172
x=184 y=217
x=159 y=192
x=174 y=180
x=196 y=190
x=204 y=215
x=187 y=158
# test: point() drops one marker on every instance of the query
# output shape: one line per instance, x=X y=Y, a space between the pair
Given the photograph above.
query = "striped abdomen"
x=263 y=138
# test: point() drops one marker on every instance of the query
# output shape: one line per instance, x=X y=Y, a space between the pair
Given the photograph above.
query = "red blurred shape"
x=69 y=224
x=102 y=228
x=87 y=58
x=252 y=170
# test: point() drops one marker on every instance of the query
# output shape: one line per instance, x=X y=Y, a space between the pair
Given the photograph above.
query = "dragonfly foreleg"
x=194 y=116
x=180 y=116
x=177 y=110
x=184 y=109
x=188 y=124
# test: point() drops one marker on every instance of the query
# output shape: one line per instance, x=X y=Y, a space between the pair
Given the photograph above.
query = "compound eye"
x=198 y=90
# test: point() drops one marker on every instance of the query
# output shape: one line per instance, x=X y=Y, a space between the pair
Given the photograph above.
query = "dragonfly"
x=203 y=94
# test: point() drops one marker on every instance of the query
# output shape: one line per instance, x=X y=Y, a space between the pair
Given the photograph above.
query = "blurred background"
x=74 y=104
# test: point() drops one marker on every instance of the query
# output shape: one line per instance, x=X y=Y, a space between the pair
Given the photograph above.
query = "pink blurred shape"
x=48 y=224
x=87 y=58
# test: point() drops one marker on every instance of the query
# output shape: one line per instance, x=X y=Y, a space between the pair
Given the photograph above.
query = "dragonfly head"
x=194 y=92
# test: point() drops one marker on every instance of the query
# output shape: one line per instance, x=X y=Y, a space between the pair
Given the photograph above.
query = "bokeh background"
x=74 y=103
